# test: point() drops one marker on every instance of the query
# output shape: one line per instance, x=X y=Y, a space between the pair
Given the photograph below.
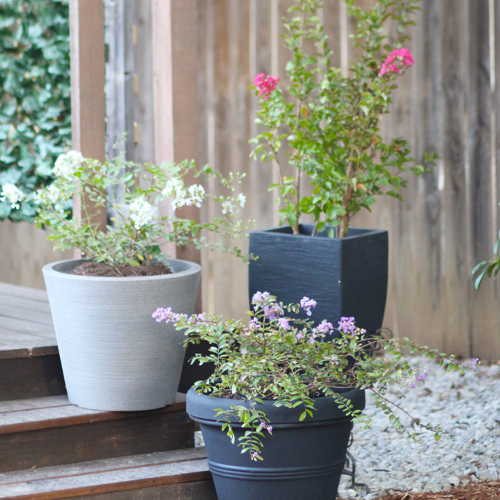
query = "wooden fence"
x=446 y=103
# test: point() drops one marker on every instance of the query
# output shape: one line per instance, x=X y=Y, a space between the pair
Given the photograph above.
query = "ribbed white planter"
x=114 y=355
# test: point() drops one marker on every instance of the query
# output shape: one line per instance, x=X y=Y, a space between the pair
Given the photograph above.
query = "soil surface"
x=482 y=490
x=91 y=268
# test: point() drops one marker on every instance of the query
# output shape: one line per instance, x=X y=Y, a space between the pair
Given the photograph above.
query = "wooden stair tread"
x=26 y=327
x=103 y=476
x=56 y=411
x=25 y=303
x=23 y=292
x=49 y=431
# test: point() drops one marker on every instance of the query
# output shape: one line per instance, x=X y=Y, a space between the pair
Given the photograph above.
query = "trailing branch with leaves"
x=277 y=357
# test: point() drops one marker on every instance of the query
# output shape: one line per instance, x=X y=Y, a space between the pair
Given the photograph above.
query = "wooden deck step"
x=49 y=431
x=170 y=475
x=29 y=360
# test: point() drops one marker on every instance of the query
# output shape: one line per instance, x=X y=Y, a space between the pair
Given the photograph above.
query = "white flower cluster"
x=228 y=206
x=141 y=212
x=175 y=189
x=52 y=195
x=13 y=194
x=67 y=164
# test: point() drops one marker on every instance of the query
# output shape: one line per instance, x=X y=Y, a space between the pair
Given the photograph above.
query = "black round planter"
x=302 y=460
x=346 y=276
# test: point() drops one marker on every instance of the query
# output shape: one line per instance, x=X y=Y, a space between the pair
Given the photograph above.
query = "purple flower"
x=325 y=327
x=266 y=302
x=263 y=425
x=335 y=360
x=312 y=340
x=254 y=454
x=347 y=325
x=283 y=323
x=260 y=298
x=270 y=429
x=473 y=363
x=307 y=304
x=272 y=311
x=253 y=324
x=167 y=315
x=419 y=378
x=162 y=314
x=299 y=336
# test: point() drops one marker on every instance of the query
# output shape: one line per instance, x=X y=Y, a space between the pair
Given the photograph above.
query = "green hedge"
x=35 y=102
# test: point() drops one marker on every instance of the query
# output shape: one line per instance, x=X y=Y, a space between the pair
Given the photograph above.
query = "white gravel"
x=467 y=407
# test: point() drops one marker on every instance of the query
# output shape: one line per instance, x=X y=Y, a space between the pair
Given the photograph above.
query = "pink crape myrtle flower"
x=265 y=84
x=397 y=61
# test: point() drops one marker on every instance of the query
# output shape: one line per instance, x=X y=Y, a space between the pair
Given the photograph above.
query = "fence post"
x=175 y=77
x=88 y=108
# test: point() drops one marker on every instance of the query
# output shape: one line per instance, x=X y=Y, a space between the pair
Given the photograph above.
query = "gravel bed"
x=467 y=407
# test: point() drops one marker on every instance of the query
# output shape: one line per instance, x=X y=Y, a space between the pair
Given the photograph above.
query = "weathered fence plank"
x=456 y=286
x=484 y=329
x=24 y=251
x=88 y=107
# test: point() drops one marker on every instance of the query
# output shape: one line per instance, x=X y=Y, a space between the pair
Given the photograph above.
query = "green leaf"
x=479 y=279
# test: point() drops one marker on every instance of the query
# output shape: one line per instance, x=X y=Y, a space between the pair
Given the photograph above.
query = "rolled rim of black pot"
x=201 y=407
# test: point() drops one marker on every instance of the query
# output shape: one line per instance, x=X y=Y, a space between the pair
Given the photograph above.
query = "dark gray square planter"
x=347 y=277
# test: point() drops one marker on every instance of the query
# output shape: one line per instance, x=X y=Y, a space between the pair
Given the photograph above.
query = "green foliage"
x=35 y=119
x=286 y=360
x=487 y=267
x=136 y=224
x=330 y=121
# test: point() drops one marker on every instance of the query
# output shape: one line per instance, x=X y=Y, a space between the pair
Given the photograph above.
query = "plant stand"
x=350 y=470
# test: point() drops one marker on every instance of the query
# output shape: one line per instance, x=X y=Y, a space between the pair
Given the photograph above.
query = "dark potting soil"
x=91 y=268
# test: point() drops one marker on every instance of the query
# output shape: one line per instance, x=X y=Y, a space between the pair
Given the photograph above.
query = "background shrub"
x=35 y=103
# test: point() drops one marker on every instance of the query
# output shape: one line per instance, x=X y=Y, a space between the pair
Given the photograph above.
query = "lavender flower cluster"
x=274 y=313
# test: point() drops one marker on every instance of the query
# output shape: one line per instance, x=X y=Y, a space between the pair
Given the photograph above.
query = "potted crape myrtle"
x=113 y=357
x=286 y=399
x=323 y=131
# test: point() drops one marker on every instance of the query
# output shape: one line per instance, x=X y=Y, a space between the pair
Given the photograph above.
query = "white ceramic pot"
x=114 y=355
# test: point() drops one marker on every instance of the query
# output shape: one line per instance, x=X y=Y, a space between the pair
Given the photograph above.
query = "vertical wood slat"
x=261 y=175
x=456 y=283
x=222 y=296
x=143 y=102
x=495 y=15
x=240 y=97
x=129 y=80
x=88 y=103
x=175 y=93
x=114 y=37
x=426 y=136
x=484 y=328
x=403 y=240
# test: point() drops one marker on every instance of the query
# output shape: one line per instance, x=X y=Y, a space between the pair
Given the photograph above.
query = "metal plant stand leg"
x=350 y=470
x=350 y=463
